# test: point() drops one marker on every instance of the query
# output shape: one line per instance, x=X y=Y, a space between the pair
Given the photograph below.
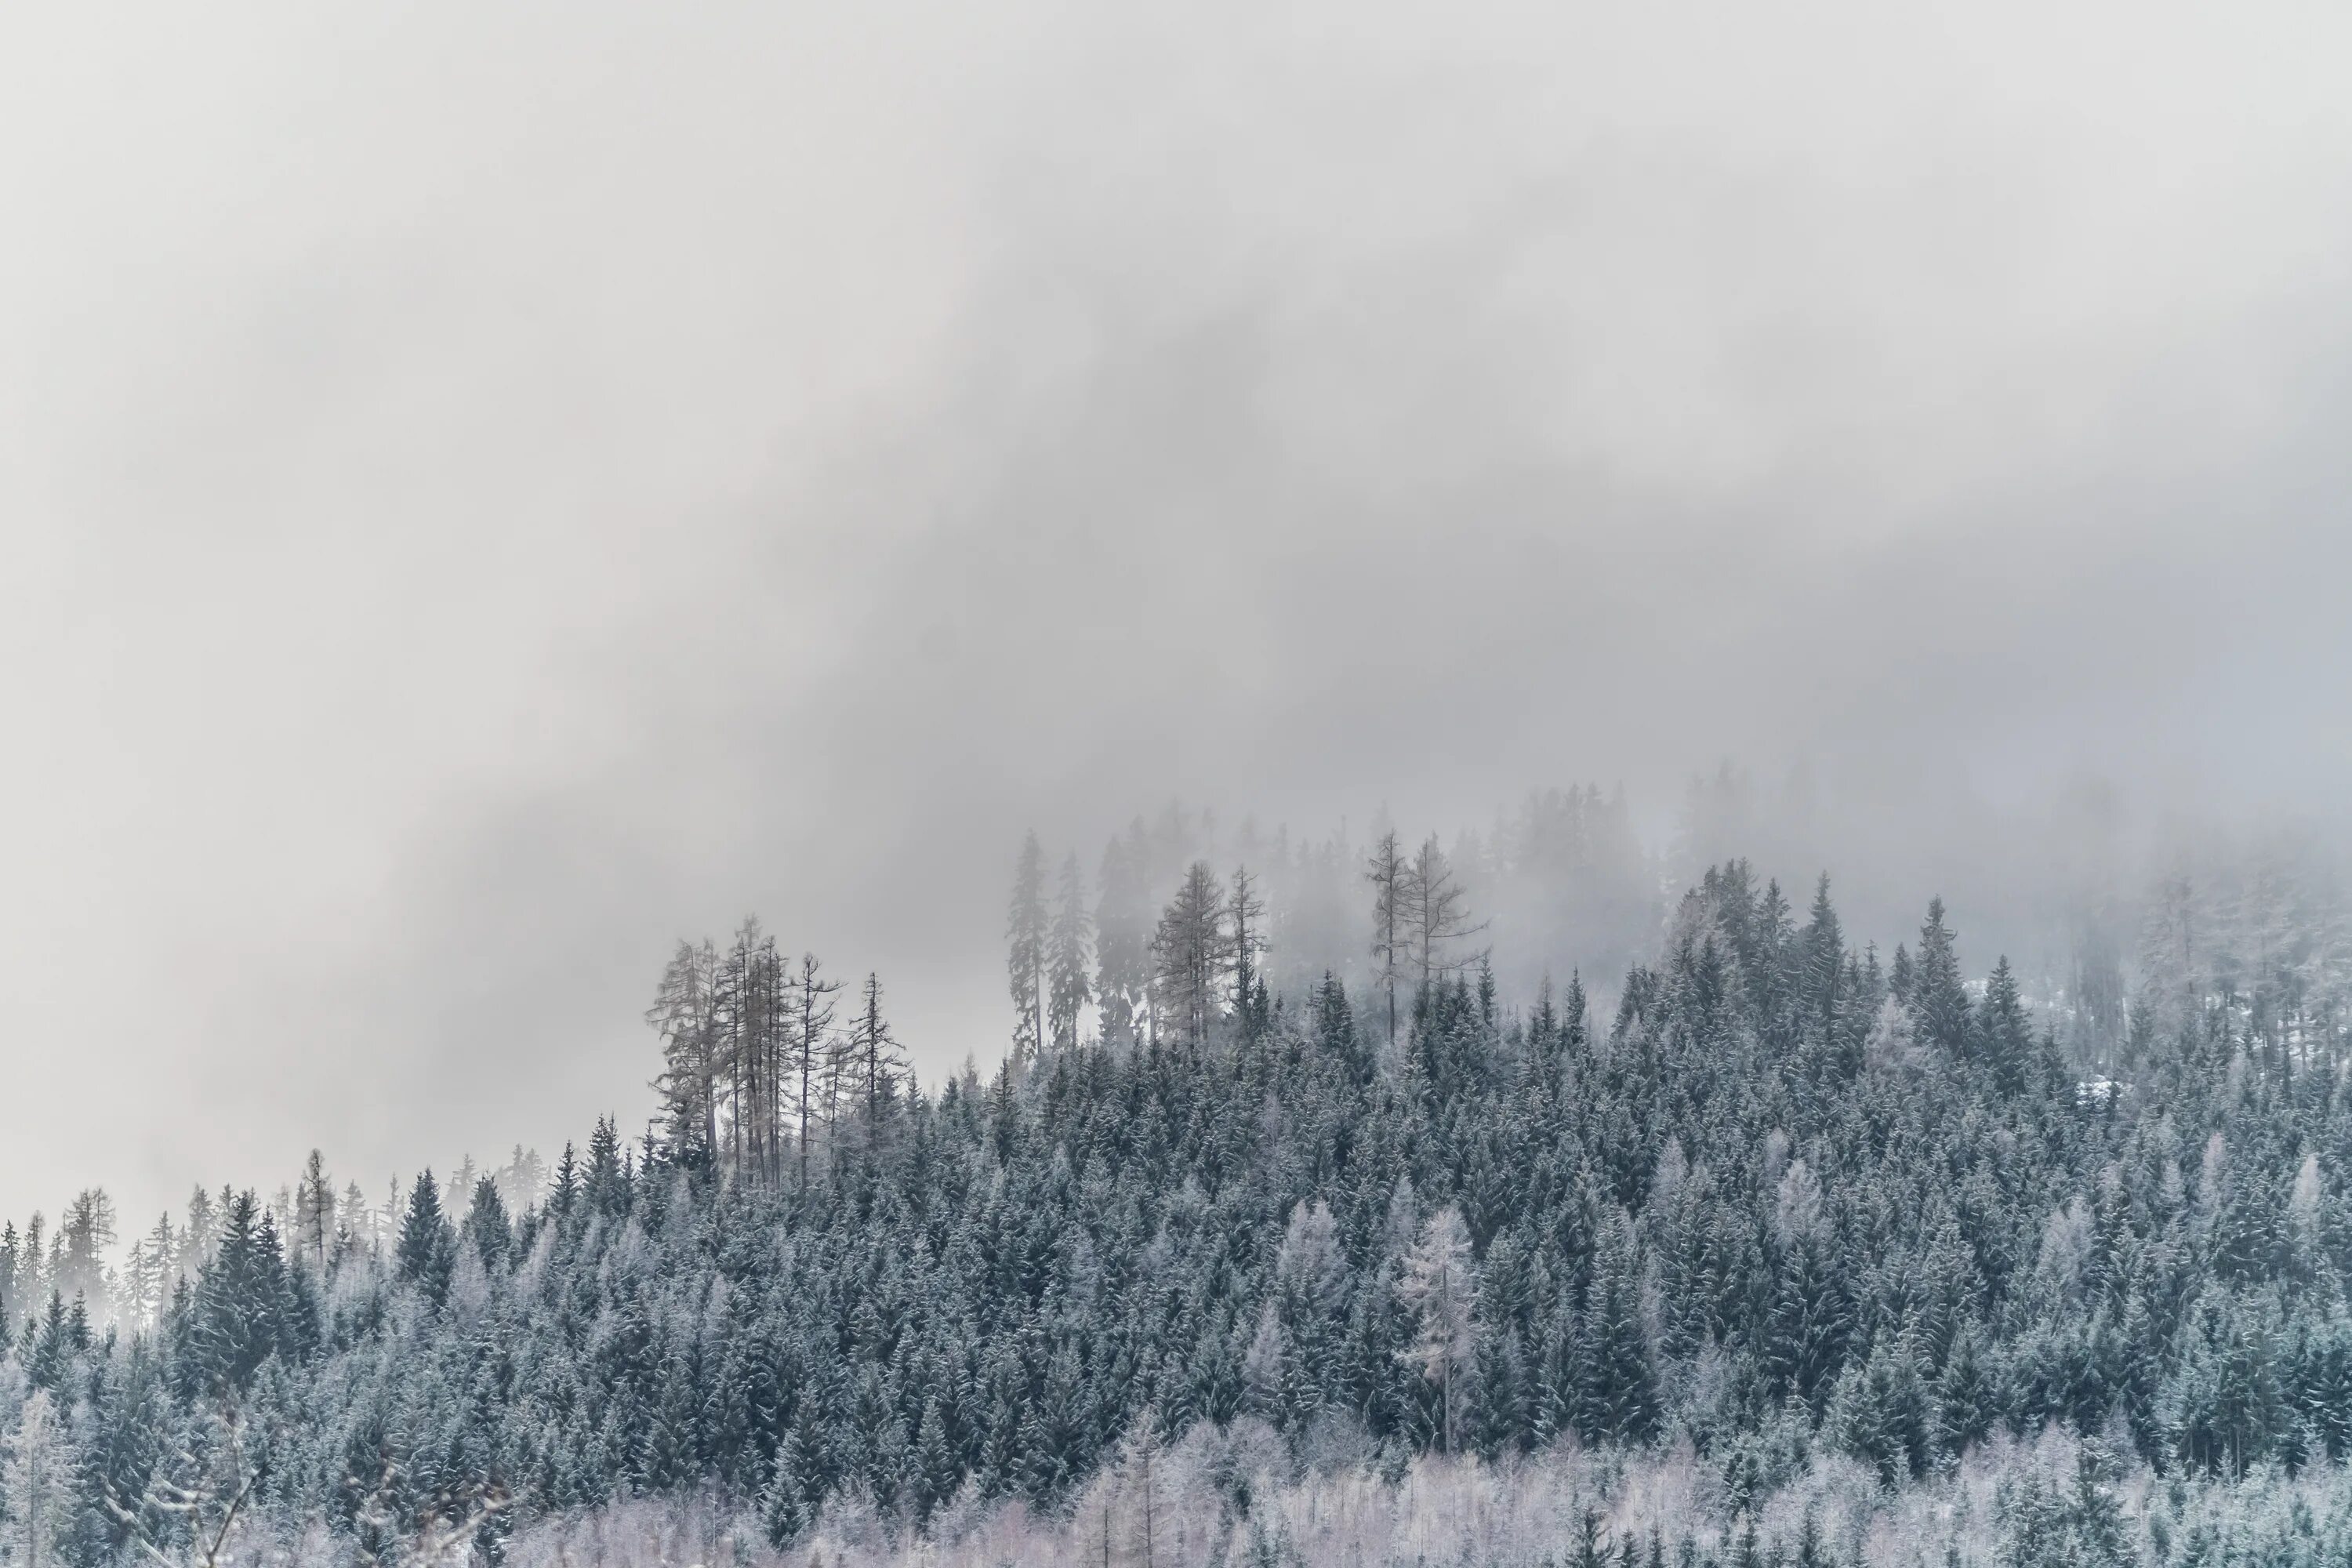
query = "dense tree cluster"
x=1784 y=1200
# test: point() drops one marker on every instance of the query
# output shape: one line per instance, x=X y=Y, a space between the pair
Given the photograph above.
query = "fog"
x=484 y=493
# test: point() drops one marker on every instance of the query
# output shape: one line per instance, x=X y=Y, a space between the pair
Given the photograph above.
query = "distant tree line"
x=1784 y=1199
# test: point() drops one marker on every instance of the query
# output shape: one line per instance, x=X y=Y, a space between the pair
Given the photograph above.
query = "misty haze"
x=1291 y=784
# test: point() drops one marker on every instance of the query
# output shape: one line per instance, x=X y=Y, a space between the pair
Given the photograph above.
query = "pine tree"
x=1620 y=1395
x=1965 y=1397
x=423 y=1254
x=487 y=1228
x=85 y=1231
x=687 y=1016
x=1810 y=1319
x=1122 y=940
x=878 y=1063
x=1935 y=995
x=1244 y=941
x=2005 y=1033
x=155 y=1271
x=314 y=1207
x=39 y=1477
x=1824 y=957
x=1069 y=945
x=1025 y=950
x=240 y=1308
x=1191 y=955
x=1438 y=1285
x=787 y=1508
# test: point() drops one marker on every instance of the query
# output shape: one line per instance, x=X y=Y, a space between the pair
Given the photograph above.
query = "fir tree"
x=1069 y=945
x=1025 y=954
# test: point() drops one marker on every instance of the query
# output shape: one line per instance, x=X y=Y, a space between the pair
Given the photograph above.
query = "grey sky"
x=485 y=490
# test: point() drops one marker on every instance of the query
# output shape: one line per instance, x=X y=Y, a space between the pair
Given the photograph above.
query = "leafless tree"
x=1435 y=915
x=202 y=1495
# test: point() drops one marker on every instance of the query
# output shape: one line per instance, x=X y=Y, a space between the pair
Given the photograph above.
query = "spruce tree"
x=1025 y=956
x=1069 y=949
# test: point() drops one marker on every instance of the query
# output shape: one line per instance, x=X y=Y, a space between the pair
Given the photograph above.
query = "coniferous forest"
x=1778 y=1249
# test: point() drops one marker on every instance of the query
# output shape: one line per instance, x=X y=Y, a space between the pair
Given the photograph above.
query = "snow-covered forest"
x=1292 y=1230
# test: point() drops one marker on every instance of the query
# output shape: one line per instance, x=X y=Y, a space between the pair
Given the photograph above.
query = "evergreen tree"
x=1123 y=940
x=1438 y=1286
x=1069 y=945
x=425 y=1251
x=685 y=1012
x=314 y=1207
x=1191 y=955
x=1519 y=1227
x=38 y=1476
x=1934 y=993
x=878 y=1065
x=1387 y=873
x=1025 y=954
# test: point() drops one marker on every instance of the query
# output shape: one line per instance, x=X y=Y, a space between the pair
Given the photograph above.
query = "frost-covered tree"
x=685 y=1012
x=1069 y=957
x=1440 y=1288
x=38 y=1475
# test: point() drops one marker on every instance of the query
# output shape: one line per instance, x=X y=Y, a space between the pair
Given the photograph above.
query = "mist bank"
x=2104 y=900
x=2099 y=904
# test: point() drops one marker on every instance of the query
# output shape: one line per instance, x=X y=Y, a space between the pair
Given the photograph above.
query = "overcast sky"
x=485 y=490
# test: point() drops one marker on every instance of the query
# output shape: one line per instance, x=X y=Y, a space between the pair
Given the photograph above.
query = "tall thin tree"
x=1191 y=952
x=873 y=1055
x=811 y=1033
x=1245 y=940
x=1386 y=872
x=1024 y=950
x=1068 y=957
x=314 y=1210
x=1435 y=914
x=685 y=1012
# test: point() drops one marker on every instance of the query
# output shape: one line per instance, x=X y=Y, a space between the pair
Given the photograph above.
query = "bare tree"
x=1435 y=914
x=444 y=1527
x=199 y=1494
x=743 y=1005
x=812 y=1026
